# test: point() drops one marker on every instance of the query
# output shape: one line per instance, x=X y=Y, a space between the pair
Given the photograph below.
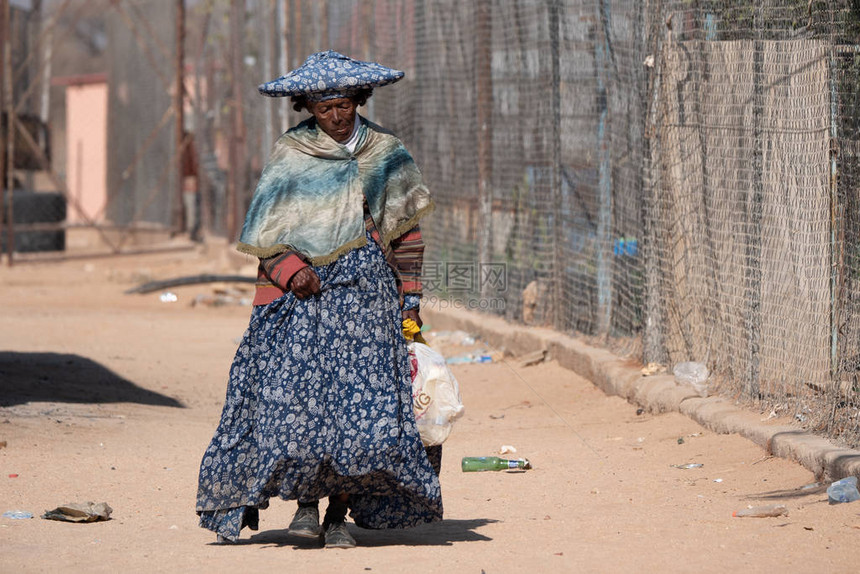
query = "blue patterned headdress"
x=327 y=75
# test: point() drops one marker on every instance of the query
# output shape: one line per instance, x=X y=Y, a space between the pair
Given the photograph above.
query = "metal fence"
x=671 y=179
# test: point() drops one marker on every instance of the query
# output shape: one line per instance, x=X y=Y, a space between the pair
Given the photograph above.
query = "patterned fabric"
x=311 y=194
x=405 y=255
x=327 y=75
x=319 y=403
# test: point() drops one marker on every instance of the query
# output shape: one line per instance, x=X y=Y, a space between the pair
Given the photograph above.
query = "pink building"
x=86 y=145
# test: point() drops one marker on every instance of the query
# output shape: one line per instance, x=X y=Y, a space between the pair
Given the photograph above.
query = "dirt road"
x=112 y=397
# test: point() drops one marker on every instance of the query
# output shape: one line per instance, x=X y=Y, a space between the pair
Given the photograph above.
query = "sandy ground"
x=113 y=397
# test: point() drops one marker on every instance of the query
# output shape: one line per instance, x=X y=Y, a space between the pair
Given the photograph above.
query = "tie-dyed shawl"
x=311 y=194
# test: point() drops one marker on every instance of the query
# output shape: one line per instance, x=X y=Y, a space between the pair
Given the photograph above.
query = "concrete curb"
x=658 y=393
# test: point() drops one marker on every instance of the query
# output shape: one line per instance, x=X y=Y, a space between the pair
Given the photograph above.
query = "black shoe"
x=337 y=536
x=306 y=523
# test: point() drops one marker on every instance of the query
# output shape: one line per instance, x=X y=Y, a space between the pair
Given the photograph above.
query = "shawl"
x=311 y=194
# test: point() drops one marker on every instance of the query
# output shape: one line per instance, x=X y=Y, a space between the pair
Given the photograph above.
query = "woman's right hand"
x=305 y=283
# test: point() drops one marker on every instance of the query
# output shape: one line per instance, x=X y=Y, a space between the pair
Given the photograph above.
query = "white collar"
x=353 y=139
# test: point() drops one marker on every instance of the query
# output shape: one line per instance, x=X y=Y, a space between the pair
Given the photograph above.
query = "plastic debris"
x=769 y=511
x=688 y=465
x=17 y=514
x=507 y=449
x=653 y=369
x=844 y=490
x=80 y=512
x=168 y=297
x=693 y=374
x=467 y=359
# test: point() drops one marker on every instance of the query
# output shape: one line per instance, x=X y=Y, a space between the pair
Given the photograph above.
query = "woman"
x=319 y=398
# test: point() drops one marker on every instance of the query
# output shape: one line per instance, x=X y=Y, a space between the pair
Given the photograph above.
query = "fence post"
x=237 y=120
x=753 y=272
x=556 y=308
x=484 y=100
x=8 y=105
x=179 y=215
x=653 y=348
x=604 y=158
x=836 y=239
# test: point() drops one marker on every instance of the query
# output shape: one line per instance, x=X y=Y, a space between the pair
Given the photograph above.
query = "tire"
x=31 y=207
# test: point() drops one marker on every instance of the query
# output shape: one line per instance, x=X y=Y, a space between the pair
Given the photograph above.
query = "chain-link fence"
x=672 y=179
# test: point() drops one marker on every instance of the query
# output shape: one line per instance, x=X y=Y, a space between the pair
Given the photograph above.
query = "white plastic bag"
x=693 y=374
x=435 y=394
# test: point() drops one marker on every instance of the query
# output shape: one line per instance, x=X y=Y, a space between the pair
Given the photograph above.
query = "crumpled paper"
x=80 y=512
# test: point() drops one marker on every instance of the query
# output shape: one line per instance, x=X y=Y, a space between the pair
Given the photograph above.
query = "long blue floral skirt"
x=319 y=403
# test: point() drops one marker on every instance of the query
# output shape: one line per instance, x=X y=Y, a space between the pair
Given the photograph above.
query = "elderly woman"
x=319 y=397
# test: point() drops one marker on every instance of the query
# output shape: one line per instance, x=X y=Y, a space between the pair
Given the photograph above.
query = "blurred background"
x=672 y=180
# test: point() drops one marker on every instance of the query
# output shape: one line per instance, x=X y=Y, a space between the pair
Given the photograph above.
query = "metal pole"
x=484 y=100
x=179 y=215
x=604 y=217
x=836 y=239
x=559 y=316
x=237 y=123
x=269 y=25
x=753 y=271
x=653 y=348
x=283 y=59
x=4 y=126
x=9 y=105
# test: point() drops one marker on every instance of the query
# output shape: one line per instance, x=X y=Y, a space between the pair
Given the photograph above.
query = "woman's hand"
x=412 y=314
x=305 y=283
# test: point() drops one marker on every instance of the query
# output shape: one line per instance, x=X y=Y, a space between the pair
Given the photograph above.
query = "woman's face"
x=335 y=117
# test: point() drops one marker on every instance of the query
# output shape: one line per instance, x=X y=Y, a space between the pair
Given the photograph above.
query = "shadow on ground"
x=55 y=377
x=815 y=489
x=442 y=533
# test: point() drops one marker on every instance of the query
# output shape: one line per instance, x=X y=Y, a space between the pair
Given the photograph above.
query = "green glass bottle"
x=480 y=463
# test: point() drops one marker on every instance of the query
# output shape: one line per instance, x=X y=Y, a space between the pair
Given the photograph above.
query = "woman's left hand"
x=412 y=314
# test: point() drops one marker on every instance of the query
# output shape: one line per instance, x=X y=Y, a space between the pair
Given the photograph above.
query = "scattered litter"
x=640 y=411
x=17 y=514
x=811 y=486
x=3 y=444
x=221 y=300
x=454 y=338
x=770 y=510
x=844 y=490
x=595 y=491
x=13 y=475
x=772 y=415
x=506 y=449
x=79 y=512
x=808 y=528
x=680 y=440
x=693 y=374
x=718 y=480
x=168 y=297
x=533 y=358
x=653 y=369
x=465 y=359
x=688 y=465
x=173 y=527
x=497 y=416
